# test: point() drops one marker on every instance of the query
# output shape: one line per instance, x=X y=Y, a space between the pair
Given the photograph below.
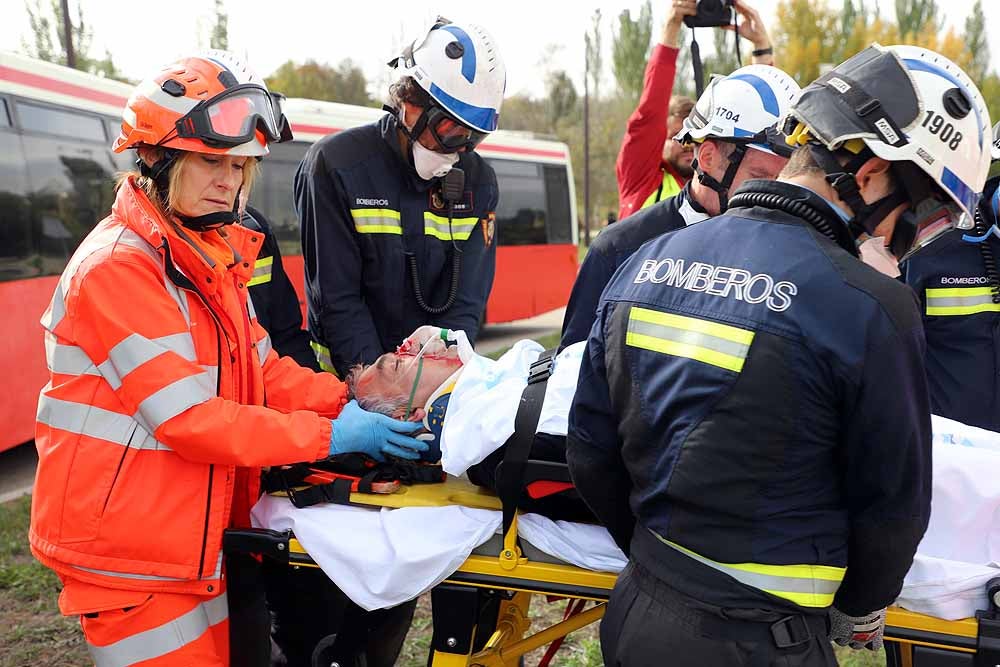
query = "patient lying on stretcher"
x=466 y=401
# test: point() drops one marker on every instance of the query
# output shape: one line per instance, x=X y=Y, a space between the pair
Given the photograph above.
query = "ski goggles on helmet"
x=770 y=139
x=234 y=116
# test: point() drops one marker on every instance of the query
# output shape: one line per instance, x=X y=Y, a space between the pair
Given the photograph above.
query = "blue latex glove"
x=357 y=430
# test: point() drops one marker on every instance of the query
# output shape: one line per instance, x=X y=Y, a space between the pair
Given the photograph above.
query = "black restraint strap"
x=510 y=472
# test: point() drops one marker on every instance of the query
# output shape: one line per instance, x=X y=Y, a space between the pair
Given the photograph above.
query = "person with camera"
x=652 y=166
x=739 y=143
x=752 y=420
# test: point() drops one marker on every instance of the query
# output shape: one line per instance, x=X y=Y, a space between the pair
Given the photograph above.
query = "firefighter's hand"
x=357 y=430
x=858 y=632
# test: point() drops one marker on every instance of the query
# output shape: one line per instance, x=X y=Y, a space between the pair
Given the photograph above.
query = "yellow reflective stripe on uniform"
x=667 y=189
x=961 y=301
x=261 y=271
x=323 y=357
x=376 y=221
x=164 y=639
x=708 y=342
x=437 y=226
x=805 y=585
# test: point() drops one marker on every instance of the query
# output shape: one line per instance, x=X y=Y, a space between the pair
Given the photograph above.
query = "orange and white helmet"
x=210 y=103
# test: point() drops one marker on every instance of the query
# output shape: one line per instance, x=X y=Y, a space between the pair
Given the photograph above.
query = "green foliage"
x=913 y=16
x=220 y=31
x=344 y=83
x=561 y=96
x=630 y=49
x=46 y=22
x=977 y=44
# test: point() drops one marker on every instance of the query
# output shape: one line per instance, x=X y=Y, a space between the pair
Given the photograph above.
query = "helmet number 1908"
x=946 y=132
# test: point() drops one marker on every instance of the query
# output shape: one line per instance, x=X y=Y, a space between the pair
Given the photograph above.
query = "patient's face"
x=392 y=376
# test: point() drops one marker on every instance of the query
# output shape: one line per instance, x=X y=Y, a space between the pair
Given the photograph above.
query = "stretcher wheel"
x=993 y=592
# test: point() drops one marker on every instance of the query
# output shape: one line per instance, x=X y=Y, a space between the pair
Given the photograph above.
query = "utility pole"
x=586 y=141
x=68 y=32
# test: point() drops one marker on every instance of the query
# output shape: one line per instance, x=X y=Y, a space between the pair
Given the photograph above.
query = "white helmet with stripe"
x=741 y=107
x=460 y=67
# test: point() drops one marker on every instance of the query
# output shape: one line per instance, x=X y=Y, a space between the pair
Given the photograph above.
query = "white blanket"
x=960 y=551
x=484 y=402
x=382 y=557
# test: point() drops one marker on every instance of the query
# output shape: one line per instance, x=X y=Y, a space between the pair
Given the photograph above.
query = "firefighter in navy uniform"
x=275 y=299
x=738 y=144
x=751 y=420
x=397 y=225
x=959 y=290
x=392 y=237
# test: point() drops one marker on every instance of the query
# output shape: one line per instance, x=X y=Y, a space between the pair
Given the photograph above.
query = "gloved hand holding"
x=357 y=430
x=858 y=632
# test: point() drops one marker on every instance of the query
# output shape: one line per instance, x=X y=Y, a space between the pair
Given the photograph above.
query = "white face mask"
x=876 y=255
x=430 y=164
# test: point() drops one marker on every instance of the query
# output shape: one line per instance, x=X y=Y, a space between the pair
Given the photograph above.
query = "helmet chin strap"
x=722 y=187
x=843 y=179
x=159 y=173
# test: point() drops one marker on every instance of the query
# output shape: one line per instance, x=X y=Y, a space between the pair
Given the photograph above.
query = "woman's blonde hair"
x=167 y=205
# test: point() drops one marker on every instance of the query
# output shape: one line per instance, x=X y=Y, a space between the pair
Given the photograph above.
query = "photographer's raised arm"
x=752 y=29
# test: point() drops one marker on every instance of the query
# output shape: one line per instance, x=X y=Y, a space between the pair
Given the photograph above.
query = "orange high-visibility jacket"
x=164 y=399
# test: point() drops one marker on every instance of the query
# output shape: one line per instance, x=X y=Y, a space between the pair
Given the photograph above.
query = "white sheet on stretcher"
x=383 y=557
x=960 y=551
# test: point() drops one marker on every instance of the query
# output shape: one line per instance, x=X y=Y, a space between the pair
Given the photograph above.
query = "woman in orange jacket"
x=164 y=397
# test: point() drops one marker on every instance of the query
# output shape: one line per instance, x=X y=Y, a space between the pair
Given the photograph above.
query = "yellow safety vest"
x=668 y=188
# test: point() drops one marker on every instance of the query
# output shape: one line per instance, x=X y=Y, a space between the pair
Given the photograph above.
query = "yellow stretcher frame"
x=913 y=640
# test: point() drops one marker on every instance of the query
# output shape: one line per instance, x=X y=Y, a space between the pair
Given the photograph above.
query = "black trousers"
x=647 y=621
x=249 y=622
x=314 y=623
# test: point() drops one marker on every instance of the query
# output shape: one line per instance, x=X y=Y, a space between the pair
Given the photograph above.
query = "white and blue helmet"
x=743 y=107
x=460 y=67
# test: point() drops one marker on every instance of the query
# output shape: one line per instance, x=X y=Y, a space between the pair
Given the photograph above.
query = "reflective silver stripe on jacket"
x=164 y=639
x=123 y=358
x=217 y=573
x=95 y=422
x=175 y=398
x=250 y=309
x=263 y=348
x=56 y=311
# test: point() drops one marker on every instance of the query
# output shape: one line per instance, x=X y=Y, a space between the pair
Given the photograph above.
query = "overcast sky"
x=368 y=31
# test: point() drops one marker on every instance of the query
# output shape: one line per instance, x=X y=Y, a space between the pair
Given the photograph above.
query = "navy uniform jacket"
x=274 y=298
x=962 y=325
x=361 y=207
x=612 y=247
x=754 y=394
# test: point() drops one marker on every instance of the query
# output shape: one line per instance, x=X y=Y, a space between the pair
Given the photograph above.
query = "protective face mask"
x=430 y=164
x=875 y=254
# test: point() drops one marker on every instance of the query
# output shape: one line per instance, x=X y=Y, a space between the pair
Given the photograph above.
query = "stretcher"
x=481 y=612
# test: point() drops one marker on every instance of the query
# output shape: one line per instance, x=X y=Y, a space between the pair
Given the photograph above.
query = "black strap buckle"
x=540 y=370
x=790 y=631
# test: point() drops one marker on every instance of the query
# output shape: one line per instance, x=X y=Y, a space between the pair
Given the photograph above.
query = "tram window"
x=18 y=238
x=275 y=196
x=560 y=226
x=521 y=213
x=71 y=189
x=36 y=118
